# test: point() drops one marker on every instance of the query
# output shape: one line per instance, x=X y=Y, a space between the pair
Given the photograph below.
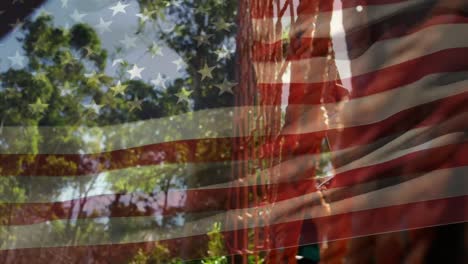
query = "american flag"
x=133 y=130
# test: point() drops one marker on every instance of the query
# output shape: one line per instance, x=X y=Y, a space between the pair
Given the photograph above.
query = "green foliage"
x=192 y=19
x=159 y=255
x=64 y=72
x=216 y=251
x=215 y=254
x=51 y=89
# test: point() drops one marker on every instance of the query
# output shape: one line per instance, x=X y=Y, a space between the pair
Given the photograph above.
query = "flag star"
x=17 y=24
x=183 y=95
x=118 y=8
x=38 y=106
x=206 y=72
x=94 y=107
x=145 y=15
x=119 y=88
x=103 y=26
x=64 y=92
x=94 y=78
x=77 y=16
x=129 y=42
x=155 y=50
x=10 y=91
x=40 y=75
x=68 y=60
x=176 y=3
x=179 y=63
x=202 y=38
x=170 y=29
x=117 y=61
x=65 y=89
x=17 y=59
x=135 y=104
x=43 y=11
x=91 y=74
x=88 y=51
x=222 y=25
x=223 y=53
x=202 y=9
x=226 y=86
x=135 y=72
x=64 y=3
x=159 y=81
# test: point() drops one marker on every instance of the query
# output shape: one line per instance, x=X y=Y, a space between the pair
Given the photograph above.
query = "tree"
x=61 y=89
x=203 y=36
x=39 y=95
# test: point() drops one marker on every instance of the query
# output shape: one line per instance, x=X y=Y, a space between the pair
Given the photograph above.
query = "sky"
x=119 y=24
x=122 y=24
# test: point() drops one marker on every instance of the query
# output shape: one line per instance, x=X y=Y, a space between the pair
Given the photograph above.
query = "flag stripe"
x=421 y=137
x=346 y=139
x=183 y=248
x=442 y=61
x=403 y=217
x=344 y=185
x=423 y=188
x=357 y=24
x=189 y=128
x=359 y=112
x=412 y=141
x=260 y=8
x=379 y=56
x=313 y=47
x=386 y=219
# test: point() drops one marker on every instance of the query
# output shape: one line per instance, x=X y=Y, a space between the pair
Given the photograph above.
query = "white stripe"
x=105 y=183
x=418 y=139
x=380 y=55
x=395 y=149
x=264 y=28
x=377 y=107
x=427 y=187
x=218 y=123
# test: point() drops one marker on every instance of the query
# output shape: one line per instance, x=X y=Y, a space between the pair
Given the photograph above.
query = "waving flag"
x=155 y=131
x=392 y=103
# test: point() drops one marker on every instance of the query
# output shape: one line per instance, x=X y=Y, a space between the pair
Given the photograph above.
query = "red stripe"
x=450 y=112
x=266 y=9
x=362 y=223
x=184 y=248
x=118 y=205
x=361 y=38
x=75 y=164
x=124 y=205
x=400 y=25
x=196 y=151
x=453 y=108
x=446 y=61
x=388 y=219
x=396 y=76
x=422 y=161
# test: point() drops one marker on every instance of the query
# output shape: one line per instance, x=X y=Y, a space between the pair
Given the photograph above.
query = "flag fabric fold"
x=269 y=118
